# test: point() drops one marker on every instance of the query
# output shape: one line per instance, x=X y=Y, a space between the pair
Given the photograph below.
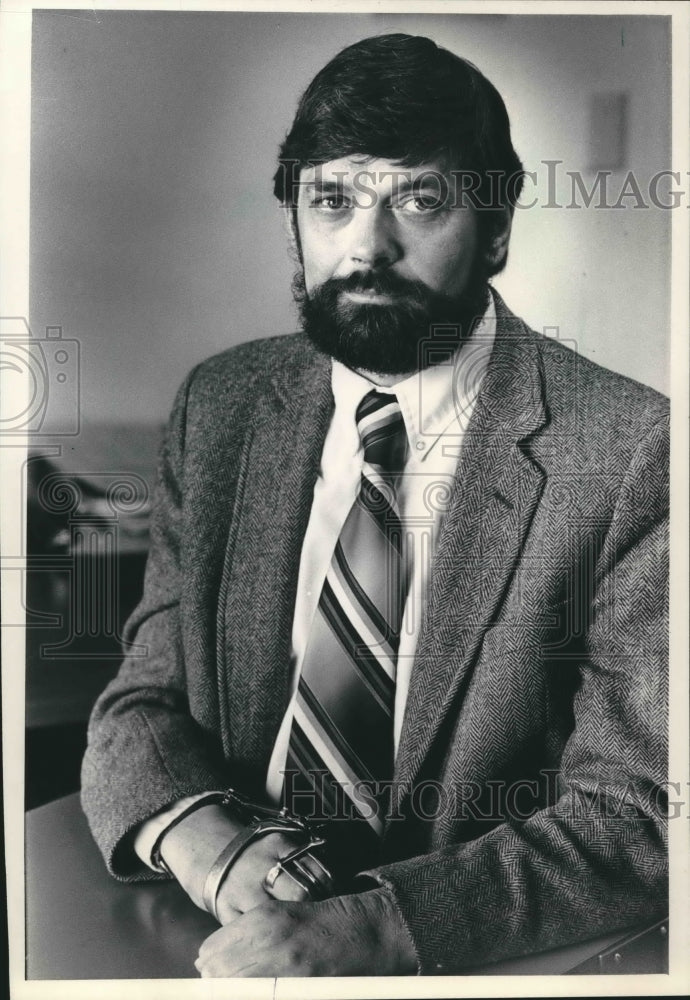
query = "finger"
x=298 y=881
x=223 y=966
x=279 y=885
x=282 y=939
x=224 y=937
x=233 y=962
x=226 y=953
x=276 y=959
x=244 y=932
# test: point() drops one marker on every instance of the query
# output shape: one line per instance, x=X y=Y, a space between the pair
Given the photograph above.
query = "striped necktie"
x=341 y=742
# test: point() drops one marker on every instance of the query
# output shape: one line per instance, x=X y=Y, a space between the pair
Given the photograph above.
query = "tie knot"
x=382 y=431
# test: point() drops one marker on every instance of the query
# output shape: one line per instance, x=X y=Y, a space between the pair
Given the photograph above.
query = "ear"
x=497 y=249
x=289 y=220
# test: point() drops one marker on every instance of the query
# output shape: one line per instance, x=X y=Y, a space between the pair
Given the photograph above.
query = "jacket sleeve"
x=594 y=859
x=145 y=751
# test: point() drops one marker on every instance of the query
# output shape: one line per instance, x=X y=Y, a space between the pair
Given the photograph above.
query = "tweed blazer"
x=533 y=754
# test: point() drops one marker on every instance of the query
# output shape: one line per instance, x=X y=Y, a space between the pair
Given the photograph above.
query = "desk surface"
x=82 y=924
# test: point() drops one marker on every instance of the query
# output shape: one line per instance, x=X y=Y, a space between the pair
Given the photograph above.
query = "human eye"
x=421 y=203
x=332 y=203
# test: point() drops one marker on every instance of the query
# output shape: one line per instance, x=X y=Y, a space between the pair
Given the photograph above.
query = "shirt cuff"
x=153 y=829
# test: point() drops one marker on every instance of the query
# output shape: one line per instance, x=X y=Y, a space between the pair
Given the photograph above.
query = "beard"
x=395 y=338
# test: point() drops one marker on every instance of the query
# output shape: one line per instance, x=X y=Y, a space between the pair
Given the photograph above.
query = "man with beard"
x=406 y=579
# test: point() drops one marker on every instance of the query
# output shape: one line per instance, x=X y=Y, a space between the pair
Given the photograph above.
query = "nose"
x=373 y=239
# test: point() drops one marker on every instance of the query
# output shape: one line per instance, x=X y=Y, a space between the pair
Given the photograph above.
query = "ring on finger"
x=272 y=875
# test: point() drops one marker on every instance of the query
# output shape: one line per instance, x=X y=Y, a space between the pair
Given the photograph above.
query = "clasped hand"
x=276 y=932
x=287 y=935
x=352 y=935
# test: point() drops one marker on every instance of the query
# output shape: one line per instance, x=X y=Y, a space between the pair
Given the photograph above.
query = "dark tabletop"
x=82 y=924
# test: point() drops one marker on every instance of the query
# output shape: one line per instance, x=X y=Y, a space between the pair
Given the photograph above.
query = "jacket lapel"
x=280 y=464
x=496 y=491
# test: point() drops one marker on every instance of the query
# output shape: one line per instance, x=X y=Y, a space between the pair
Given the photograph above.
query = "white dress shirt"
x=436 y=405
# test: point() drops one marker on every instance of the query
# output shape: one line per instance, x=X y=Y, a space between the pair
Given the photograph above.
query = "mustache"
x=379 y=282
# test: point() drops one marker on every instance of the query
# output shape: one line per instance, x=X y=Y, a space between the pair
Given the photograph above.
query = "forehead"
x=376 y=171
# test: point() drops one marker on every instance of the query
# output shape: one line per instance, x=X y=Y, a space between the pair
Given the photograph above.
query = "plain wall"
x=155 y=237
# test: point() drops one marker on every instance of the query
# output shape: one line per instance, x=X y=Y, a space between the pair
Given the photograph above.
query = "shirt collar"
x=430 y=400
